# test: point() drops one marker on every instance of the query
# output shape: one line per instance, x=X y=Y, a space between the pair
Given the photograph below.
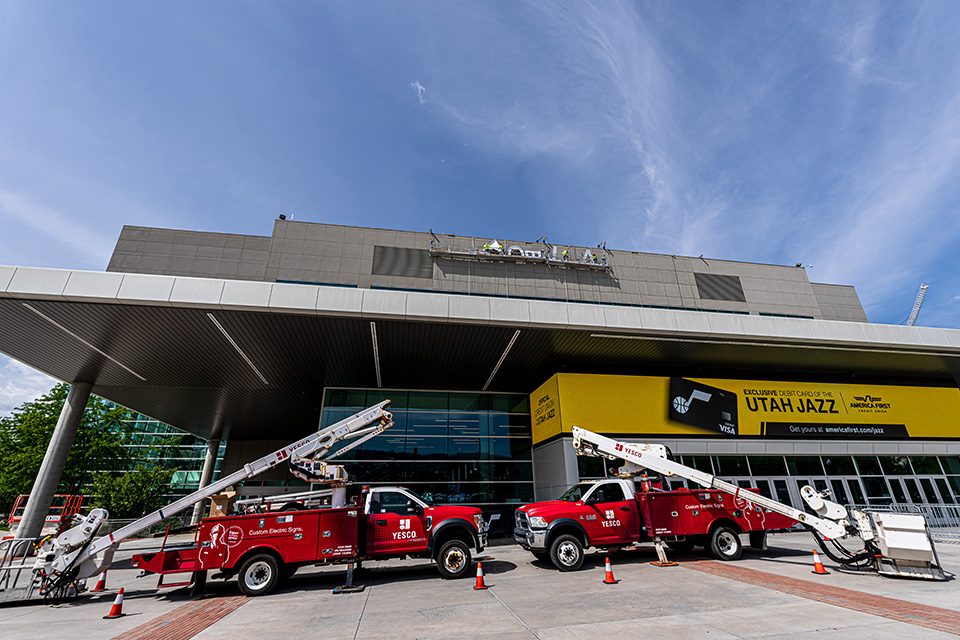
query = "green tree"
x=99 y=445
x=132 y=494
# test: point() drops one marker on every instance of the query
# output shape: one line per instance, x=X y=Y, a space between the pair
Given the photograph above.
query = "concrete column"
x=48 y=478
x=213 y=447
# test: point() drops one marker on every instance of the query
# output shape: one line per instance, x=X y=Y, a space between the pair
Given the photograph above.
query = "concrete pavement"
x=526 y=599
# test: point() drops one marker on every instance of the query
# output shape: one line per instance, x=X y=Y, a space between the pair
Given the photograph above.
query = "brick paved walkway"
x=945 y=620
x=186 y=621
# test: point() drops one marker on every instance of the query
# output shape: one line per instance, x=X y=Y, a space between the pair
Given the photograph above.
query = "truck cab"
x=593 y=513
x=399 y=522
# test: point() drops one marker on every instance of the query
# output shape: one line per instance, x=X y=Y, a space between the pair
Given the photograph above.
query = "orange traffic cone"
x=116 y=611
x=101 y=582
x=608 y=578
x=817 y=565
x=480 y=584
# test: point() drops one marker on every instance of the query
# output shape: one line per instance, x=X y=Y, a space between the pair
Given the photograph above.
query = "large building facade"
x=490 y=350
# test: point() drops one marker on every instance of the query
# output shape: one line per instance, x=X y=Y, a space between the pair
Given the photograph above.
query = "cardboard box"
x=222 y=504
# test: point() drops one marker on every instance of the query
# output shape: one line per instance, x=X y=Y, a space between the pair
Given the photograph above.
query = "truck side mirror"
x=413 y=507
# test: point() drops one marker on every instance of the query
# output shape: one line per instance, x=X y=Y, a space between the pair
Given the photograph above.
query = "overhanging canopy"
x=253 y=357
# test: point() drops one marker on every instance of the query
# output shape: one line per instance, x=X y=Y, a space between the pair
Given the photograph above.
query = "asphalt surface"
x=770 y=594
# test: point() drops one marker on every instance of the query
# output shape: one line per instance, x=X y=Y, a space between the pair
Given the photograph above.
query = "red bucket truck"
x=262 y=549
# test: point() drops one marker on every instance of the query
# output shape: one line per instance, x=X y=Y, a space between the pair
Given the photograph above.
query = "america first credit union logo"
x=868 y=403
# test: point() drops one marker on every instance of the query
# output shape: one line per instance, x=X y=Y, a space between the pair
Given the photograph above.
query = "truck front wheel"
x=725 y=543
x=453 y=559
x=566 y=552
x=258 y=575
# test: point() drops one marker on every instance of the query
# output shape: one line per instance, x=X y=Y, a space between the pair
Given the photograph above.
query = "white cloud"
x=19 y=383
x=77 y=235
x=421 y=91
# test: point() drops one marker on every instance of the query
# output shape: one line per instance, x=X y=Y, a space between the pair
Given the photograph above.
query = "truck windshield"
x=429 y=503
x=576 y=492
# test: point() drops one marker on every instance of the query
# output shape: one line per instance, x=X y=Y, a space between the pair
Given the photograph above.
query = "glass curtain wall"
x=159 y=443
x=450 y=447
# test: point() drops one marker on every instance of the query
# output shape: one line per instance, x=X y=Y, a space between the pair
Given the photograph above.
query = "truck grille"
x=521 y=520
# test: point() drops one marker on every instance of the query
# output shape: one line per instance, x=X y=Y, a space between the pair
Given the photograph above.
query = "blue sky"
x=823 y=133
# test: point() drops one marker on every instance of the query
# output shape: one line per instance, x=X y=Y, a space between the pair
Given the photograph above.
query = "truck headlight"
x=478 y=521
x=536 y=522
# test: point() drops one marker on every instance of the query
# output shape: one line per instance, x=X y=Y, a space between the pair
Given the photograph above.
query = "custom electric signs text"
x=698 y=406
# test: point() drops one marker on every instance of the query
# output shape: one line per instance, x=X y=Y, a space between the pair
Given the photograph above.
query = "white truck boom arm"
x=592 y=444
x=318 y=444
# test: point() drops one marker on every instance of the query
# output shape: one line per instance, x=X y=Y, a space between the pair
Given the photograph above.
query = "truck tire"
x=258 y=575
x=725 y=543
x=566 y=553
x=453 y=559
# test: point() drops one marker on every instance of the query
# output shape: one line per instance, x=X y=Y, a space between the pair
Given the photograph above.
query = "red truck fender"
x=451 y=528
x=566 y=525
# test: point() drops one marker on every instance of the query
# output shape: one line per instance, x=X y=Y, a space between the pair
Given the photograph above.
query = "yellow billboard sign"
x=634 y=405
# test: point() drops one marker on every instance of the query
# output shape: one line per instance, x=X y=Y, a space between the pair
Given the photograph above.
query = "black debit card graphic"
x=701 y=405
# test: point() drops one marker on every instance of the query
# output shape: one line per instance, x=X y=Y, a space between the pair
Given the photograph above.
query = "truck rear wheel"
x=453 y=559
x=725 y=543
x=566 y=552
x=258 y=575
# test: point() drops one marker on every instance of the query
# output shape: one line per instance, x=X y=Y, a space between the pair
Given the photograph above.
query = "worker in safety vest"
x=565 y=254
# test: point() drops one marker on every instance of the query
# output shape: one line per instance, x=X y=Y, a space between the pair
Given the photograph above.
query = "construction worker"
x=486 y=247
x=565 y=254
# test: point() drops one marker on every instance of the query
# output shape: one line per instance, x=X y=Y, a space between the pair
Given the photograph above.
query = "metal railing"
x=16 y=564
x=943 y=520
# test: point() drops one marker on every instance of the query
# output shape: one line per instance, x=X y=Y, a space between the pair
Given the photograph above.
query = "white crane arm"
x=318 y=444
x=589 y=443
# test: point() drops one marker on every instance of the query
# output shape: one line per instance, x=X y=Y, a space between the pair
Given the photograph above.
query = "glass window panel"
x=464 y=448
x=895 y=465
x=677 y=484
x=944 y=490
x=915 y=494
x=467 y=424
x=512 y=471
x=367 y=472
x=876 y=488
x=868 y=465
x=928 y=489
x=731 y=465
x=804 y=465
x=506 y=448
x=501 y=424
x=588 y=467
x=839 y=466
x=398 y=399
x=767 y=465
x=469 y=402
x=764 y=487
x=783 y=493
x=471 y=471
x=427 y=424
x=819 y=485
x=700 y=463
x=955 y=485
x=425 y=448
x=512 y=492
x=744 y=484
x=926 y=465
x=838 y=494
x=386 y=446
x=428 y=401
x=355 y=399
x=509 y=403
x=951 y=464
x=897 y=487
x=856 y=493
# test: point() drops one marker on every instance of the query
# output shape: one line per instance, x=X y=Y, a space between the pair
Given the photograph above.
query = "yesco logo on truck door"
x=404 y=533
x=611 y=520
